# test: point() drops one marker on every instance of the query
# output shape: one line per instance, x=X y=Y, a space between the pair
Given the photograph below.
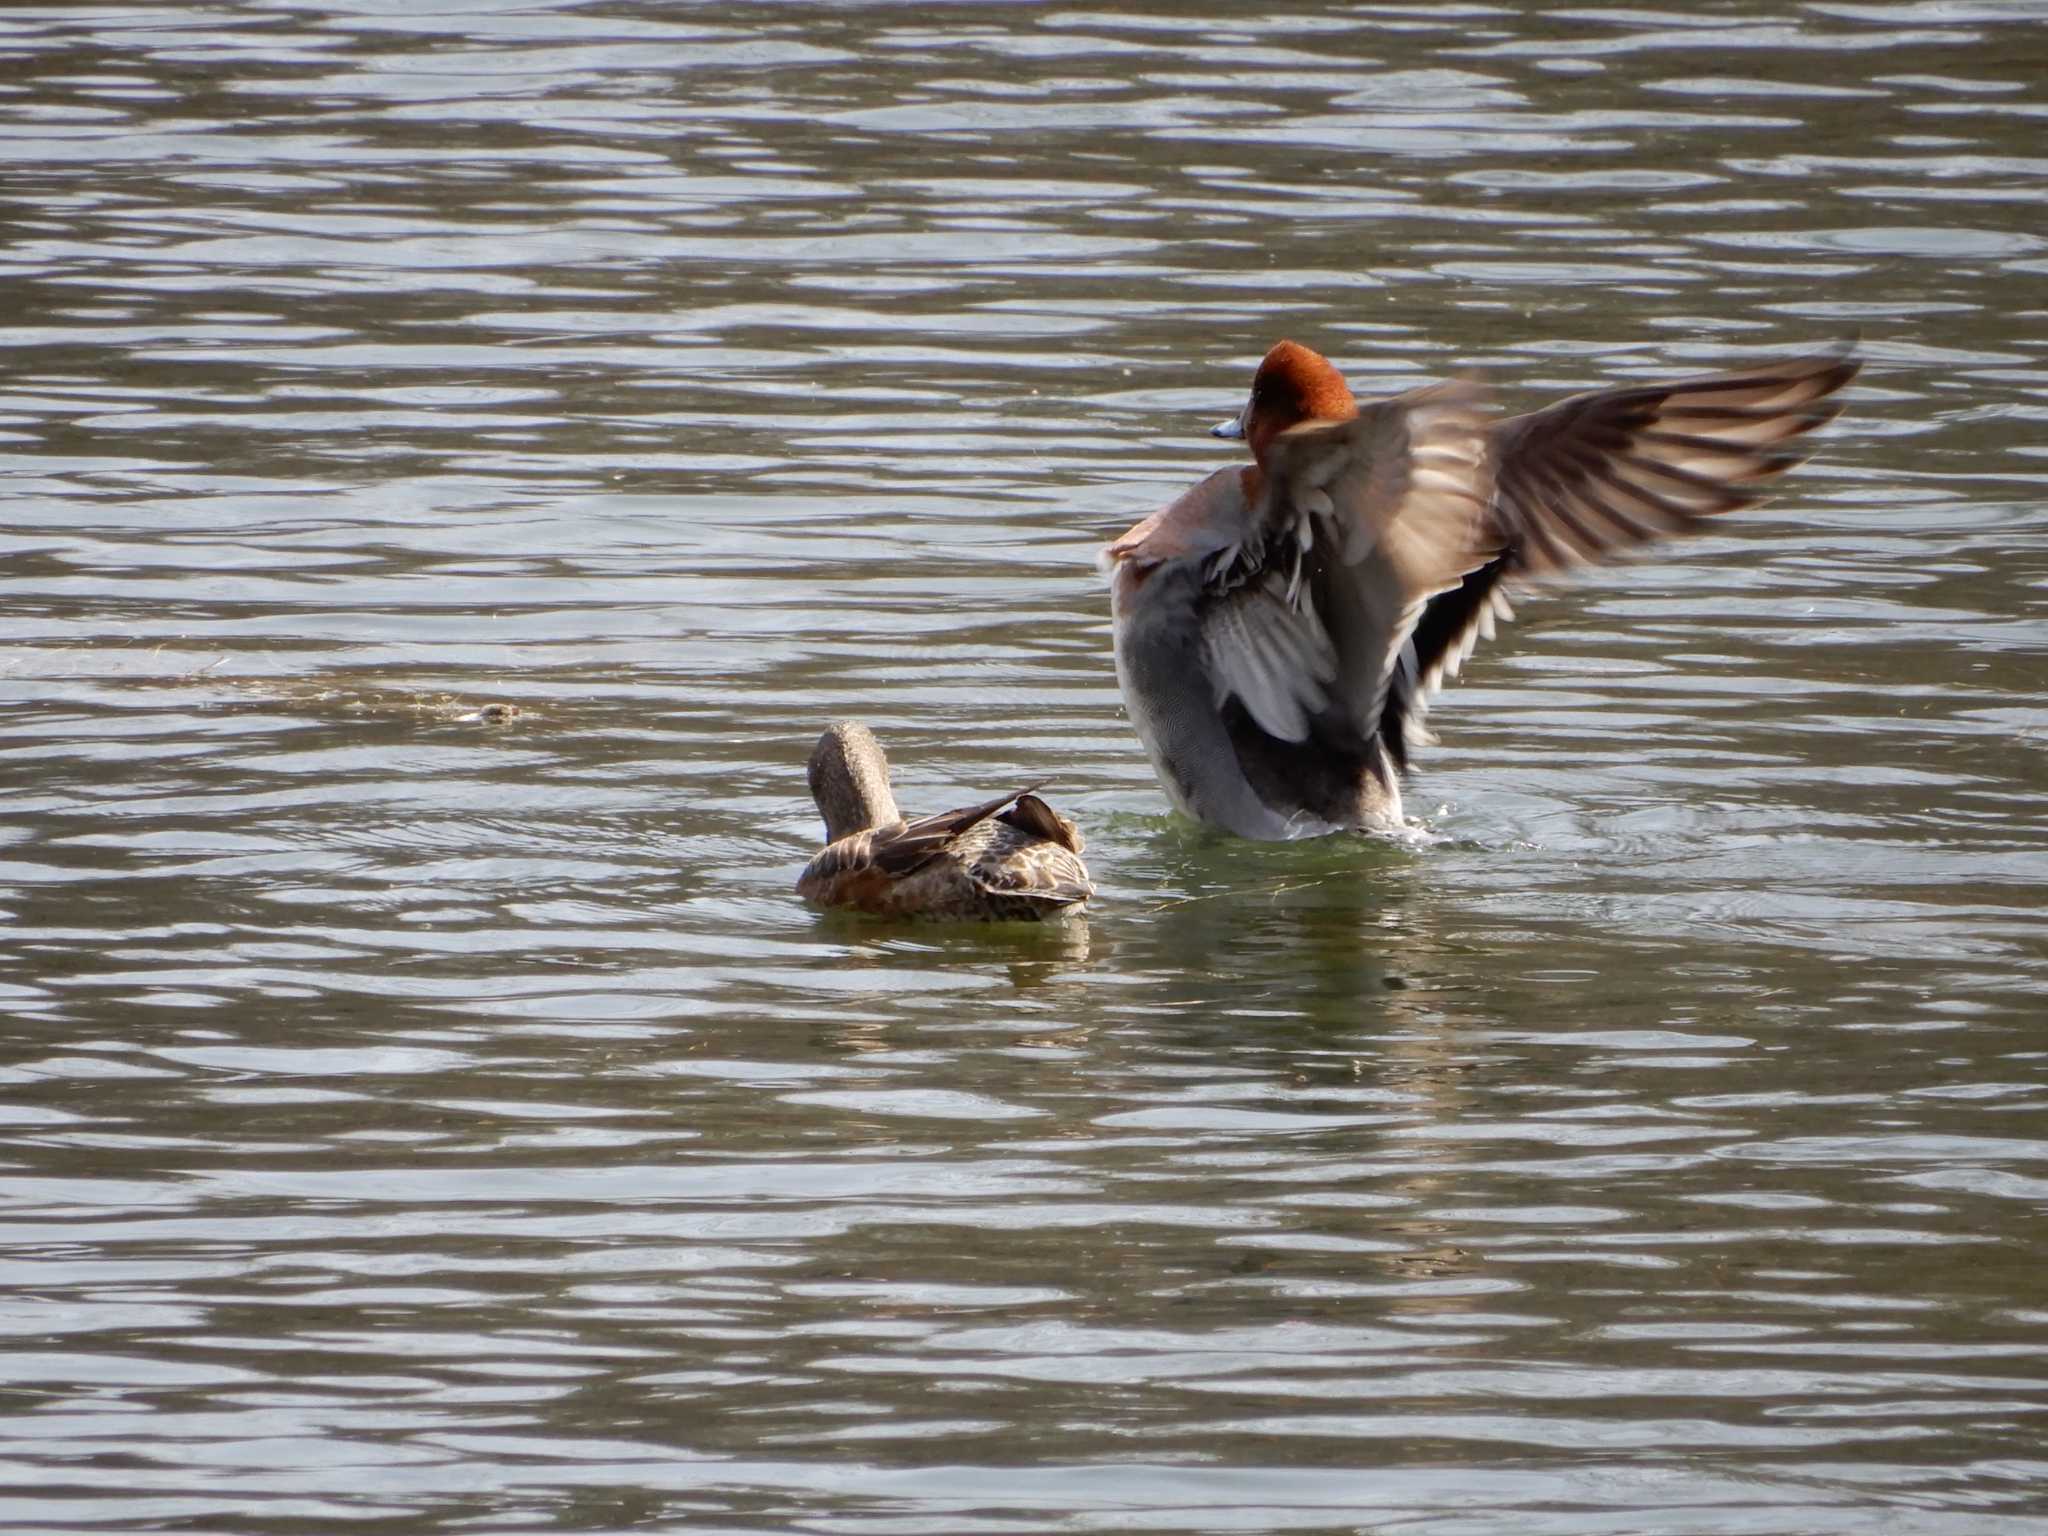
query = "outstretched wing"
x=1611 y=470
x=1619 y=467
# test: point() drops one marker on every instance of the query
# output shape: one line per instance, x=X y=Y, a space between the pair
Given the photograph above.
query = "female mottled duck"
x=1010 y=857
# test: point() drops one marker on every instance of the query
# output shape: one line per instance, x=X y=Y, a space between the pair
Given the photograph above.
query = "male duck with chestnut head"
x=1281 y=627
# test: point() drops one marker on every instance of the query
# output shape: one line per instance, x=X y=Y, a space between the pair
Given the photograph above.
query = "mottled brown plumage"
x=1010 y=857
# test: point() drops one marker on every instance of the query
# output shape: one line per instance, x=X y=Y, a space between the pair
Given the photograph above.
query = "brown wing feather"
x=908 y=846
x=1033 y=815
x=1604 y=471
x=1607 y=471
x=1017 y=862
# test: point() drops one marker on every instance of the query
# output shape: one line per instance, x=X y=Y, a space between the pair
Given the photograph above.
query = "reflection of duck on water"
x=1010 y=857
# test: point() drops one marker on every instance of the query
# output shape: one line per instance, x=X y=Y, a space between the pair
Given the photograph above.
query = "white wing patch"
x=1272 y=654
x=1415 y=687
x=1397 y=670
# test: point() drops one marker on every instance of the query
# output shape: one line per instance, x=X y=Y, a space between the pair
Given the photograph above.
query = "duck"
x=1280 y=628
x=1013 y=857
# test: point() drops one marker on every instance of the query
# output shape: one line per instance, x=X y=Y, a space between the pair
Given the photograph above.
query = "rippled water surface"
x=415 y=1122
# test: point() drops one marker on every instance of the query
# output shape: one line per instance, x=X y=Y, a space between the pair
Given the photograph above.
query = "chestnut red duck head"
x=1293 y=385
